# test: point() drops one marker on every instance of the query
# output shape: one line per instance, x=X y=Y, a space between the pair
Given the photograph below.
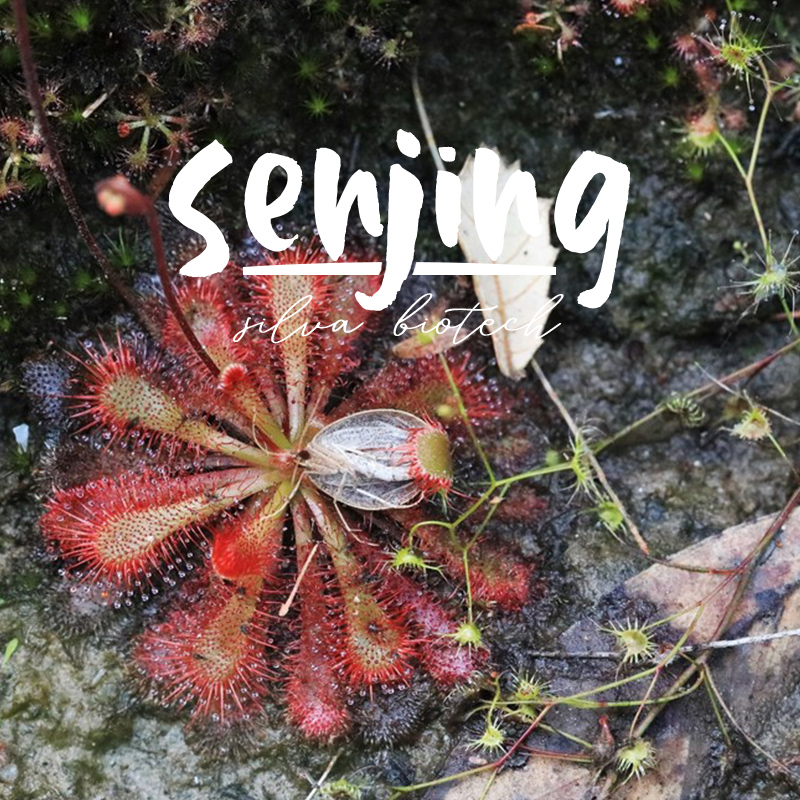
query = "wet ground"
x=70 y=726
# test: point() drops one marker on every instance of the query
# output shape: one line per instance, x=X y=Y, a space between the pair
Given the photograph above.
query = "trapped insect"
x=379 y=459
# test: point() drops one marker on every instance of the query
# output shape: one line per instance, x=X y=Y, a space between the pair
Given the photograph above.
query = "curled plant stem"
x=34 y=91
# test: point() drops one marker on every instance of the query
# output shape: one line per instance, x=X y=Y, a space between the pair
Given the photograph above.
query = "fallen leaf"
x=506 y=297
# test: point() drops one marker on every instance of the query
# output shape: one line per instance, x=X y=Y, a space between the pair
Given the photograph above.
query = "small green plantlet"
x=652 y=41
x=318 y=106
x=636 y=758
x=468 y=634
x=342 y=789
x=41 y=26
x=754 y=425
x=544 y=66
x=123 y=252
x=11 y=648
x=492 y=738
x=528 y=690
x=690 y=413
x=633 y=641
x=610 y=514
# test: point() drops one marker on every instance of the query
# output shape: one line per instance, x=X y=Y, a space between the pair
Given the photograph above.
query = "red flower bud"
x=117 y=196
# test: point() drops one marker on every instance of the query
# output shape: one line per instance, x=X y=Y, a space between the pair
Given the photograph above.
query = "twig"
x=37 y=104
x=425 y=122
x=284 y=609
x=95 y=104
x=719 y=644
x=551 y=392
x=322 y=778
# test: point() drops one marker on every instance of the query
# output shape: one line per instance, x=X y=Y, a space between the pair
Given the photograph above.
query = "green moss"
x=79 y=18
x=318 y=106
x=670 y=77
x=652 y=42
x=87 y=777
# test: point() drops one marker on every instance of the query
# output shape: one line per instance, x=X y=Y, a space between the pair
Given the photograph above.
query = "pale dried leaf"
x=521 y=297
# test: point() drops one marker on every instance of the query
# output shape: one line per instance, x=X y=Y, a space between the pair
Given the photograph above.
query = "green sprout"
x=671 y=77
x=11 y=648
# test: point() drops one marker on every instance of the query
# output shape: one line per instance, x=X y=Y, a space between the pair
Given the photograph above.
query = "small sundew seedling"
x=492 y=738
x=581 y=465
x=528 y=687
x=754 y=425
x=701 y=132
x=779 y=279
x=633 y=641
x=690 y=413
x=309 y=68
x=523 y=702
x=636 y=758
x=410 y=559
x=342 y=789
x=739 y=51
x=467 y=634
